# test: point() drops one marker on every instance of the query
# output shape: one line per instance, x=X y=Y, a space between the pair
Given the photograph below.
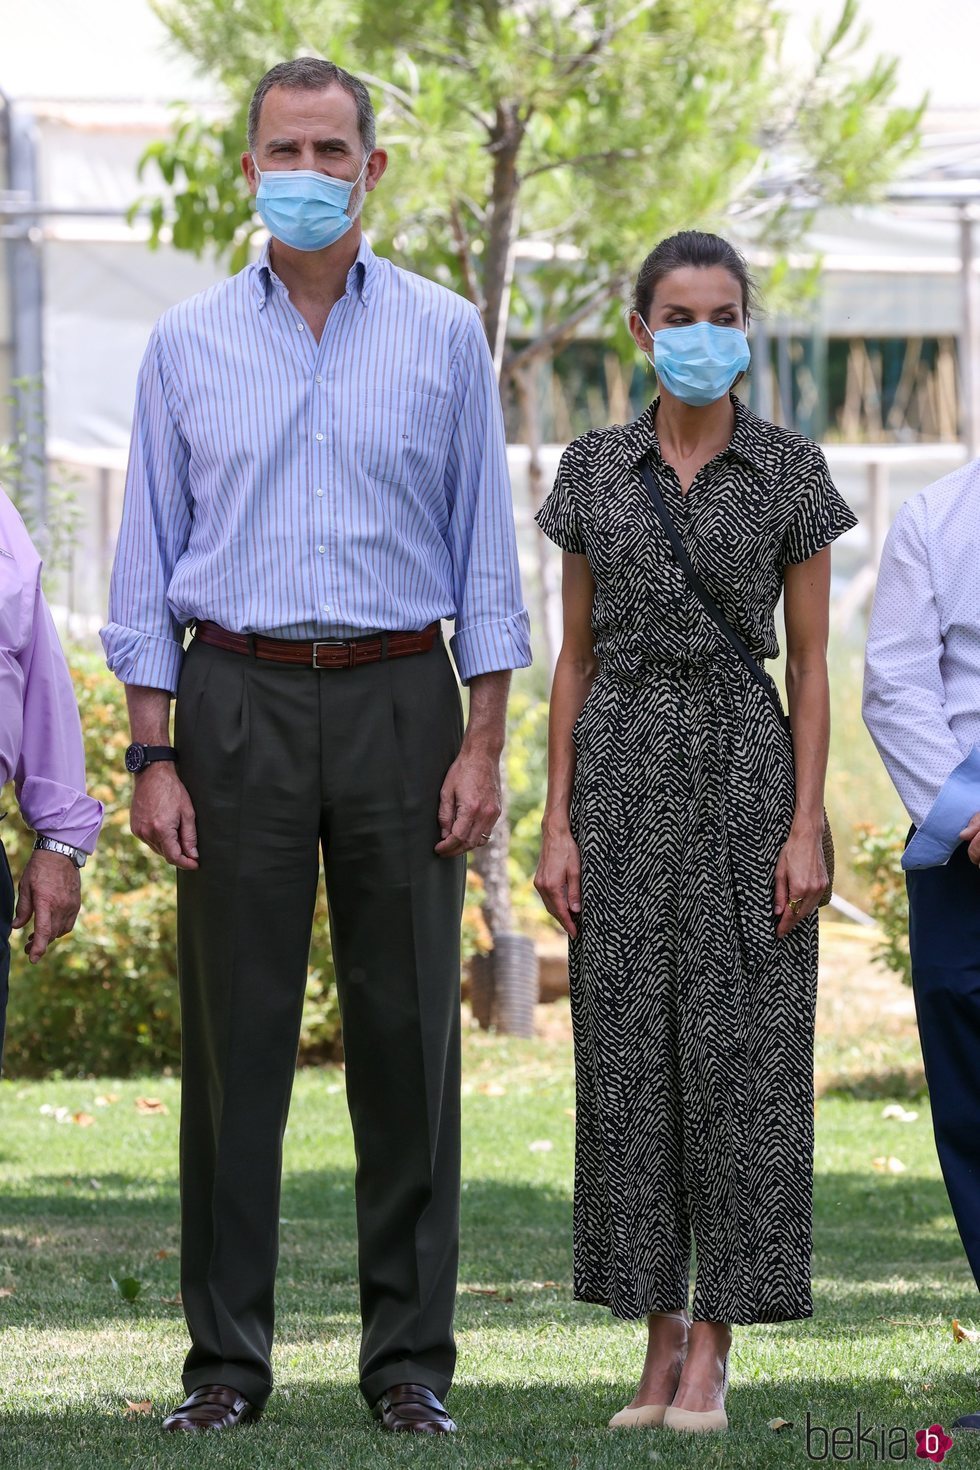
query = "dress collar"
x=748 y=439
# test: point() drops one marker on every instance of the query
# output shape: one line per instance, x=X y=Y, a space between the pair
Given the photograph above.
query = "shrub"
x=878 y=857
x=104 y=999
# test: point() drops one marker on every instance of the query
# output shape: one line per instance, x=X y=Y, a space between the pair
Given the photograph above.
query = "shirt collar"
x=360 y=278
x=747 y=441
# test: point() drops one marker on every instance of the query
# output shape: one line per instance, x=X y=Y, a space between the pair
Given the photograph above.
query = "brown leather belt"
x=323 y=653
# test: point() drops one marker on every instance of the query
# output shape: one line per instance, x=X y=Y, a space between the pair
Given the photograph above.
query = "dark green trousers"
x=280 y=761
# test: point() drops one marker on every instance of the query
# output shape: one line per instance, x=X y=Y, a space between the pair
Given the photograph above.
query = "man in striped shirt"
x=317 y=478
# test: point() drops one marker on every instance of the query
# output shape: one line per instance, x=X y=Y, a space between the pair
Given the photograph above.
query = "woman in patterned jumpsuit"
x=681 y=842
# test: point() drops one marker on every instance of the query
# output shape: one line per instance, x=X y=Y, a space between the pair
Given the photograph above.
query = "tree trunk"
x=512 y=962
x=505 y=142
x=527 y=387
x=490 y=861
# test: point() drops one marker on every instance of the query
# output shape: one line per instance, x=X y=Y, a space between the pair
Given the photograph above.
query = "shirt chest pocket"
x=16 y=606
x=403 y=438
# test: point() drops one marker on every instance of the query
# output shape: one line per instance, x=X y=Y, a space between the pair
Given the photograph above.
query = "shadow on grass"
x=907 y=1083
x=536 y=1424
x=865 y=1222
x=61 y=1246
x=321 y=1199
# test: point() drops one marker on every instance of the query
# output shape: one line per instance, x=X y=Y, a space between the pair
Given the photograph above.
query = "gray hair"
x=310 y=74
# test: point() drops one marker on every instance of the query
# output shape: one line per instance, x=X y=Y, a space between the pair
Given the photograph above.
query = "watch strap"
x=139 y=756
x=51 y=844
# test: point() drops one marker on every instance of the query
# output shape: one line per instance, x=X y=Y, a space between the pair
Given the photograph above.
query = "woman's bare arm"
x=801 y=872
x=558 y=875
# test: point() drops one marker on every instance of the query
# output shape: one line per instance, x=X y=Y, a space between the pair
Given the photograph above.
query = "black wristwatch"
x=138 y=757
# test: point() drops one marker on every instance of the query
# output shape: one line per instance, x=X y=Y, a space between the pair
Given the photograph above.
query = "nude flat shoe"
x=691 y=1421
x=646 y=1416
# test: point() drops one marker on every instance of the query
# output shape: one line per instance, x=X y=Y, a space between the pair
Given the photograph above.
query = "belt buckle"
x=335 y=643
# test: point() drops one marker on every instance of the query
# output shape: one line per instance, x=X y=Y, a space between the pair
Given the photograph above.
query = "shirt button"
x=319 y=492
x=299 y=326
x=326 y=607
x=319 y=377
x=319 y=436
x=321 y=548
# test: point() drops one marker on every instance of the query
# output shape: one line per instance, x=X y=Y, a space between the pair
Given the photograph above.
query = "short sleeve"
x=820 y=516
x=558 y=516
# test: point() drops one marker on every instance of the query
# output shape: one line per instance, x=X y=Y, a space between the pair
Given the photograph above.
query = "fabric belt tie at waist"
x=320 y=653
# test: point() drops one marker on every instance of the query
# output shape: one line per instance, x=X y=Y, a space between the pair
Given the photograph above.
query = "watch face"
x=135 y=758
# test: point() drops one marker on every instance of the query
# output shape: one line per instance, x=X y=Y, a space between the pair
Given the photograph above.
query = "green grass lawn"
x=538 y=1374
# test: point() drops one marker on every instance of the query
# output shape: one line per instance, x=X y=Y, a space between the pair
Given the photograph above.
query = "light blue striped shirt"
x=304 y=490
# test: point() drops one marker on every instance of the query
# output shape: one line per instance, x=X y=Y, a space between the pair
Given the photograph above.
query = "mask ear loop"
x=648 y=355
x=367 y=160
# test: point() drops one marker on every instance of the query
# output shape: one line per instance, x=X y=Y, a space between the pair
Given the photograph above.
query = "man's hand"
x=51 y=893
x=162 y=815
x=971 y=834
x=469 y=802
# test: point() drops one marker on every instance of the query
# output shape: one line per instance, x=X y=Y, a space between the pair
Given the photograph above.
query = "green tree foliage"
x=586 y=129
x=590 y=129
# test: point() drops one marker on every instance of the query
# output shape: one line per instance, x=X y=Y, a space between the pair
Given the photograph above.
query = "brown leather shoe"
x=410 y=1408
x=213 y=1406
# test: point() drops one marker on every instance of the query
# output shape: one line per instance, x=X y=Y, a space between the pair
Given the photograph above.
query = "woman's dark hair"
x=691 y=247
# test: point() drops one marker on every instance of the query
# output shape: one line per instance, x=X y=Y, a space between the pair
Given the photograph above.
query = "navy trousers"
x=6 y=919
x=944 y=938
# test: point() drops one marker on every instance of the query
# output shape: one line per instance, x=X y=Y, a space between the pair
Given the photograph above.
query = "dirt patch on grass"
x=867 y=1040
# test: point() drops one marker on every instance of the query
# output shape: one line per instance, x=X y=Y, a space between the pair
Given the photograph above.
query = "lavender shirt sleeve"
x=49 y=776
x=492 y=629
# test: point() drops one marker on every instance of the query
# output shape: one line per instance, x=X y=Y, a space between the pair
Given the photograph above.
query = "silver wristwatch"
x=51 y=844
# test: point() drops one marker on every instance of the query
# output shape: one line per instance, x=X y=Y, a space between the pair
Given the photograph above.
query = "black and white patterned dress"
x=693 y=1024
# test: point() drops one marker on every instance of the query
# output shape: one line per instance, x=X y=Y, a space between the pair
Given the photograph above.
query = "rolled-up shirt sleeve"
x=904 y=704
x=143 y=641
x=49 y=777
x=492 y=628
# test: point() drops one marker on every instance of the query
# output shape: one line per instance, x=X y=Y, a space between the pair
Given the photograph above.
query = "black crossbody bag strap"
x=704 y=596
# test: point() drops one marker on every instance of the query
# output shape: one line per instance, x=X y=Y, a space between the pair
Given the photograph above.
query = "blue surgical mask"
x=698 y=364
x=303 y=208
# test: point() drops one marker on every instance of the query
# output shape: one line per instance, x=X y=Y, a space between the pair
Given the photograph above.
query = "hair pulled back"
x=691 y=247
